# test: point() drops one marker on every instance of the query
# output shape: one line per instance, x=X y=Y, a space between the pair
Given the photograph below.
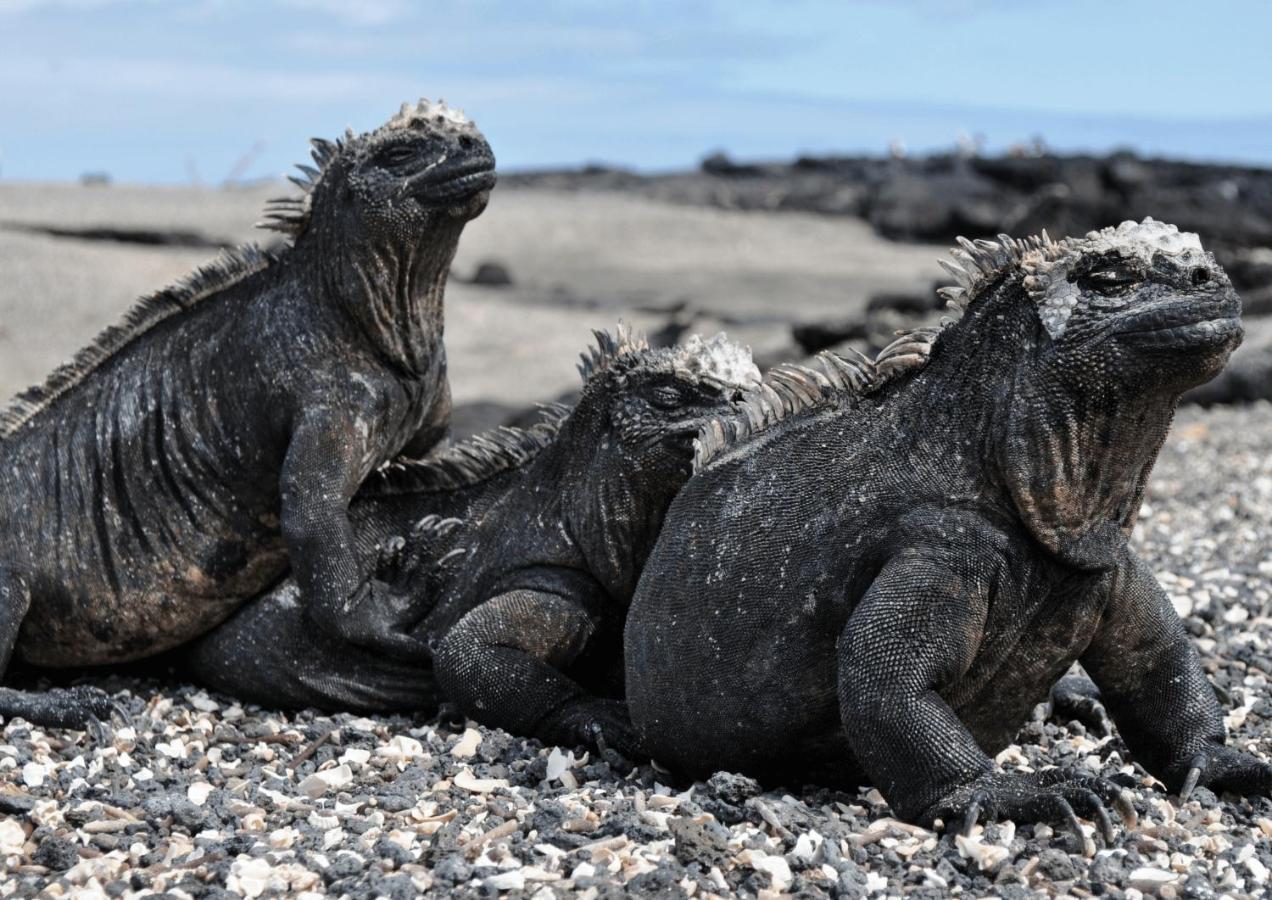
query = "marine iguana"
x=182 y=462
x=882 y=586
x=526 y=609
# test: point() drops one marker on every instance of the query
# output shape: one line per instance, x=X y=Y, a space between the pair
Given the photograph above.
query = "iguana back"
x=882 y=588
x=182 y=462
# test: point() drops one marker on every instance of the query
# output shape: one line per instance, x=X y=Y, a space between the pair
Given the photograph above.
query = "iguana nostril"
x=1199 y=275
x=465 y=142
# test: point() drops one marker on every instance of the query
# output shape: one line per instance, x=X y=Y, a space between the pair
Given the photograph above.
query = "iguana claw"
x=617 y=761
x=1053 y=796
x=1222 y=768
x=1190 y=783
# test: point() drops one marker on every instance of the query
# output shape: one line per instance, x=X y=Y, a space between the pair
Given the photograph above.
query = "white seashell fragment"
x=356 y=756
x=558 y=764
x=249 y=877
x=317 y=784
x=512 y=880
x=1148 y=878
x=470 y=782
x=987 y=856
x=12 y=837
x=401 y=749
x=467 y=745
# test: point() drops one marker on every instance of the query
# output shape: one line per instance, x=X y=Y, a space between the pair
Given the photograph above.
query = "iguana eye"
x=665 y=397
x=1110 y=281
x=397 y=154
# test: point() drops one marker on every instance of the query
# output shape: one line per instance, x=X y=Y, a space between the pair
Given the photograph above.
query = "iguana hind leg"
x=76 y=707
x=269 y=653
x=503 y=663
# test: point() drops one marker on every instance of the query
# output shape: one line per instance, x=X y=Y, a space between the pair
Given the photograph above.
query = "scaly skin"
x=526 y=612
x=183 y=463
x=881 y=590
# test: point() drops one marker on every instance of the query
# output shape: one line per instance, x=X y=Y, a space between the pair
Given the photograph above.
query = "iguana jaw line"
x=680 y=440
x=439 y=188
x=1182 y=325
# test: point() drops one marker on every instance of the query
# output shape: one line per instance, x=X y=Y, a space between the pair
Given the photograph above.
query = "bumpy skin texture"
x=882 y=589
x=526 y=612
x=180 y=465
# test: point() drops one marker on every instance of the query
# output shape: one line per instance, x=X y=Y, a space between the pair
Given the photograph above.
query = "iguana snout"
x=1205 y=322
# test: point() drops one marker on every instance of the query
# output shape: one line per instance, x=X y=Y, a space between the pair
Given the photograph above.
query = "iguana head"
x=630 y=438
x=1143 y=298
x=1082 y=348
x=426 y=163
x=658 y=400
x=379 y=219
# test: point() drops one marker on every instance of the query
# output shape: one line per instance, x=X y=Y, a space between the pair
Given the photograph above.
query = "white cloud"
x=13 y=7
x=356 y=12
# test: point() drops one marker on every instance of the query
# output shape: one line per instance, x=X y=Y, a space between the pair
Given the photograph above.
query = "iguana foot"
x=381 y=620
x=449 y=715
x=1055 y=796
x=616 y=761
x=1076 y=698
x=1221 y=768
x=82 y=708
x=602 y=725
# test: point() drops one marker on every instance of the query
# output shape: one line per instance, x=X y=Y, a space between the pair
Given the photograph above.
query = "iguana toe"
x=81 y=708
x=1077 y=698
x=616 y=761
x=1221 y=768
x=1056 y=796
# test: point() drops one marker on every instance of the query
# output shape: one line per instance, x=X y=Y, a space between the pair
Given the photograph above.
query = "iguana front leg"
x=917 y=631
x=1152 y=683
x=503 y=664
x=320 y=476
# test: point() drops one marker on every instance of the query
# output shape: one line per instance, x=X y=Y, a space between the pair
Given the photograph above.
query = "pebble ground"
x=198 y=796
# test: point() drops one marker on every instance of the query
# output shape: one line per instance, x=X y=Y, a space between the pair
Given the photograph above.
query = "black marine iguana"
x=180 y=464
x=883 y=586
x=526 y=617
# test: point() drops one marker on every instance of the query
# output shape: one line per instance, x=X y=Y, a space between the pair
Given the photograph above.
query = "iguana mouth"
x=680 y=440
x=1182 y=325
x=445 y=183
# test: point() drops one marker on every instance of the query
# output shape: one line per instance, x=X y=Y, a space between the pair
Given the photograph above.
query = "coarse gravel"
x=199 y=796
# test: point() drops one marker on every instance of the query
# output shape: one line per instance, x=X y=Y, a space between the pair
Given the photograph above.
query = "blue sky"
x=166 y=91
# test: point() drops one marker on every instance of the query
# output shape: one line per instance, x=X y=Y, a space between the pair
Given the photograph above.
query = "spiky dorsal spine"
x=786 y=391
x=290 y=215
x=790 y=390
x=471 y=461
x=608 y=348
x=227 y=269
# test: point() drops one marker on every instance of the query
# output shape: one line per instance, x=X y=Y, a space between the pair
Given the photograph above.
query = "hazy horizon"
x=176 y=92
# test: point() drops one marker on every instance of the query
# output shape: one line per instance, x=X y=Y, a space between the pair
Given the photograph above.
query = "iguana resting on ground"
x=180 y=464
x=883 y=586
x=556 y=525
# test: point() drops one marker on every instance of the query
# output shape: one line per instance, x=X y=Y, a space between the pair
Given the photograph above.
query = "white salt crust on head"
x=428 y=111
x=1058 y=297
x=718 y=359
x=1046 y=263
